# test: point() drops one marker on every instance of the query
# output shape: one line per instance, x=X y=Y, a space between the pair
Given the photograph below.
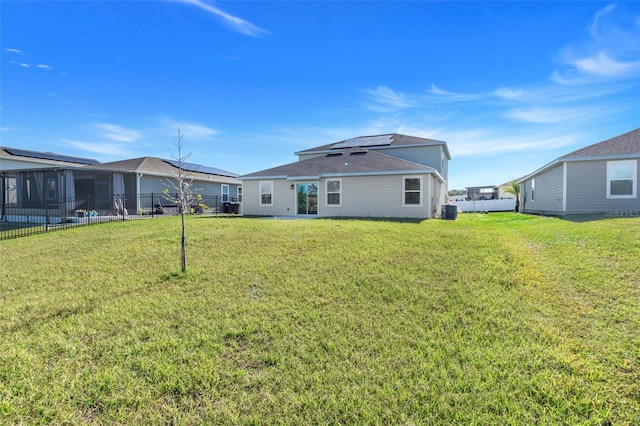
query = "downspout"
x=138 y=207
x=564 y=187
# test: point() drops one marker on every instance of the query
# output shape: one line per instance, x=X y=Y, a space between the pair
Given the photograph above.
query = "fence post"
x=46 y=216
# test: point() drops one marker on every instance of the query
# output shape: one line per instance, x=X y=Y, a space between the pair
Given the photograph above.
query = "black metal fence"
x=23 y=219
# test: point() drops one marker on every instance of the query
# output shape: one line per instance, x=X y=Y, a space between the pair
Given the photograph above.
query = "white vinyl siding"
x=621 y=179
x=360 y=196
x=376 y=196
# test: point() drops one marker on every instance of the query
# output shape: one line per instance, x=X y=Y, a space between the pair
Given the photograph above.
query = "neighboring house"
x=40 y=182
x=599 y=178
x=151 y=175
x=62 y=184
x=388 y=175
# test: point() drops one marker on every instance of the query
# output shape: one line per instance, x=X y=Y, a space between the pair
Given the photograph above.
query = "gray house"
x=389 y=175
x=150 y=175
x=600 y=178
x=33 y=183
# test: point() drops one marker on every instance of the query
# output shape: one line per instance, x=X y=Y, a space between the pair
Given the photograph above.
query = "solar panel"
x=191 y=167
x=364 y=141
x=51 y=156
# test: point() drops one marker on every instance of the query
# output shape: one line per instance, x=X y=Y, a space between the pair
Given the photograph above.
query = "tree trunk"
x=183 y=245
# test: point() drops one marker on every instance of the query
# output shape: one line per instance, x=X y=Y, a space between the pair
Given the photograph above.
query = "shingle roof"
x=628 y=143
x=622 y=146
x=159 y=166
x=47 y=156
x=395 y=139
x=343 y=162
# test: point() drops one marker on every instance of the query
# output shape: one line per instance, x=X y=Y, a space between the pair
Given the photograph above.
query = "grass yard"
x=491 y=319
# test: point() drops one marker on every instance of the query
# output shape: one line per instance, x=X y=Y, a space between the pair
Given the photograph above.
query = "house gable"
x=429 y=152
x=580 y=182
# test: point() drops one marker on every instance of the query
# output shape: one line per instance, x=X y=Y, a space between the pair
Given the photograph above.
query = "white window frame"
x=239 y=194
x=265 y=182
x=326 y=185
x=405 y=190
x=224 y=190
x=533 y=189
x=634 y=178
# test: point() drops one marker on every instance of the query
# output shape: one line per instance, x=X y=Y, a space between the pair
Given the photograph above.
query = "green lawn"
x=491 y=319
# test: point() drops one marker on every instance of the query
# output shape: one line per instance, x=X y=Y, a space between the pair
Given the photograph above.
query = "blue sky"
x=509 y=85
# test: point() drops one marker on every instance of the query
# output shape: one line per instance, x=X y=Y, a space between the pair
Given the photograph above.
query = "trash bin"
x=226 y=207
x=450 y=212
x=233 y=208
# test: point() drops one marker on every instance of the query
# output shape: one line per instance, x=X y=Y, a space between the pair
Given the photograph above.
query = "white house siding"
x=375 y=196
x=548 y=192
x=587 y=189
x=361 y=196
x=283 y=198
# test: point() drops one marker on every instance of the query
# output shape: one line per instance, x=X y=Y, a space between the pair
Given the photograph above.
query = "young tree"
x=184 y=197
x=513 y=187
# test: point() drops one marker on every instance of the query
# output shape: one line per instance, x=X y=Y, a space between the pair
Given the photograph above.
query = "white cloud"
x=544 y=115
x=486 y=141
x=236 y=24
x=595 y=24
x=612 y=51
x=384 y=99
x=603 y=65
x=44 y=67
x=117 y=133
x=506 y=93
x=190 y=130
x=110 y=149
x=446 y=96
x=16 y=51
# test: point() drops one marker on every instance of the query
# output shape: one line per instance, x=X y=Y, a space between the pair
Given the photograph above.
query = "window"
x=533 y=188
x=225 y=193
x=334 y=189
x=239 y=194
x=51 y=189
x=266 y=193
x=412 y=191
x=621 y=179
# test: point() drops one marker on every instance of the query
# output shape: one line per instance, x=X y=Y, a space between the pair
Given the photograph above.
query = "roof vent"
x=358 y=153
x=334 y=154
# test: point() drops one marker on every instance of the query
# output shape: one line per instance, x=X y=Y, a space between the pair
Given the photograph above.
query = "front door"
x=307 y=194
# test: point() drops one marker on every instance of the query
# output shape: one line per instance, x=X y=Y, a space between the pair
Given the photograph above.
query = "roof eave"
x=344 y=174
